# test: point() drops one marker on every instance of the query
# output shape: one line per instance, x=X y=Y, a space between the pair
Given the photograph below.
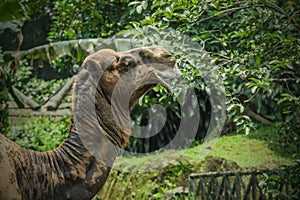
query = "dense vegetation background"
x=255 y=45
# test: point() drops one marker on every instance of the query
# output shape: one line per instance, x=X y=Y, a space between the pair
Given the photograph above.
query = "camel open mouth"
x=163 y=77
x=140 y=92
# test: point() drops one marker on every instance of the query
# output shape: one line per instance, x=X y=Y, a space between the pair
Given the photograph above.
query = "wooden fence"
x=53 y=108
x=230 y=185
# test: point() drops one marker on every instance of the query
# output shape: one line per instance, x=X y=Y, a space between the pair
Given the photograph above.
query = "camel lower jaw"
x=166 y=78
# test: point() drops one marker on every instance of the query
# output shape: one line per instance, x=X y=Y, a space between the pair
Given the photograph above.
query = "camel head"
x=120 y=79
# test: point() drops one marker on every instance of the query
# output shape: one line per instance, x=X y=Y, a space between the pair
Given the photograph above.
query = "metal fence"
x=230 y=185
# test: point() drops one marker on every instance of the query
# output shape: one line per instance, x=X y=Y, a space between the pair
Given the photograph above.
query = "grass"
x=150 y=176
x=253 y=151
x=245 y=152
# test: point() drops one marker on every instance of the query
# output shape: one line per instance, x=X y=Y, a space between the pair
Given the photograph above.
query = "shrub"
x=41 y=134
x=284 y=183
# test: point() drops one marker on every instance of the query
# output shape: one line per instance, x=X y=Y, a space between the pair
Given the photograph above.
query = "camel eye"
x=125 y=63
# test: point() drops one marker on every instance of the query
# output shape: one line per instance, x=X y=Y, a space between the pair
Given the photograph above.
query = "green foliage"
x=12 y=9
x=3 y=95
x=288 y=138
x=41 y=134
x=140 y=116
x=44 y=69
x=73 y=19
x=253 y=44
x=40 y=90
x=287 y=175
x=179 y=169
x=24 y=9
x=38 y=8
x=36 y=88
x=256 y=45
x=60 y=55
x=282 y=139
x=147 y=185
x=3 y=106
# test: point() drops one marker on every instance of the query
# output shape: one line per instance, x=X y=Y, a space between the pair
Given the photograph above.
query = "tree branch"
x=251 y=113
x=281 y=11
x=267 y=5
x=284 y=79
x=221 y=12
x=24 y=99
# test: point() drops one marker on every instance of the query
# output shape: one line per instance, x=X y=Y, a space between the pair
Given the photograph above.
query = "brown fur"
x=71 y=171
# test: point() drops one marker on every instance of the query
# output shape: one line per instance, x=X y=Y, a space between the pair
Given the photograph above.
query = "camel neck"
x=68 y=172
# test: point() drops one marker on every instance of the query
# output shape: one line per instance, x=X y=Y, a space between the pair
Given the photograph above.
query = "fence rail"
x=230 y=185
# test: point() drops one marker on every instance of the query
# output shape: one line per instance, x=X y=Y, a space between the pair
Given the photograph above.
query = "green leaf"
x=145 y=4
x=134 y=3
x=247 y=130
x=12 y=10
x=254 y=80
x=139 y=9
x=254 y=89
x=258 y=60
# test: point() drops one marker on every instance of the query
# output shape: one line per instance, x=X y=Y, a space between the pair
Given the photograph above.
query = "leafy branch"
x=77 y=49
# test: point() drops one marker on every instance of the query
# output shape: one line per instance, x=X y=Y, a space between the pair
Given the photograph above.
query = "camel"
x=74 y=170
